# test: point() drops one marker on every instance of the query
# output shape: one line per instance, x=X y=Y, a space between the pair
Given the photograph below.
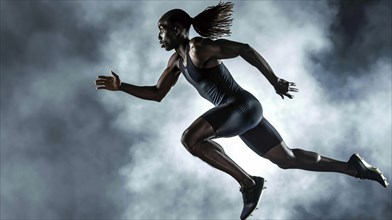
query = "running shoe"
x=367 y=171
x=251 y=196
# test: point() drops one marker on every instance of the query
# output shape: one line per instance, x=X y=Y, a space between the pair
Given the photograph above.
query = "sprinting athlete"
x=236 y=111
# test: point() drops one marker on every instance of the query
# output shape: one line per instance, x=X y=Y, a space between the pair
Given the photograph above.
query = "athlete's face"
x=167 y=36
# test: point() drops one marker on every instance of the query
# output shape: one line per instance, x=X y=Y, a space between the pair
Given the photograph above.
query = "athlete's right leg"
x=287 y=158
x=356 y=166
x=266 y=141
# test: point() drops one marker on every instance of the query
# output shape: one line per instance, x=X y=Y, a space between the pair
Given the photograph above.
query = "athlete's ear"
x=177 y=29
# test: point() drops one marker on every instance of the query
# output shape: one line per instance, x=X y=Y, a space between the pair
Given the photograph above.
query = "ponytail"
x=214 y=21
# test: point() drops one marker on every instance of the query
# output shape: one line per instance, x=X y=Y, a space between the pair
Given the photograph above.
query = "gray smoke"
x=71 y=152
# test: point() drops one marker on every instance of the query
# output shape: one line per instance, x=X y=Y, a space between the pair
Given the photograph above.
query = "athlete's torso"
x=214 y=84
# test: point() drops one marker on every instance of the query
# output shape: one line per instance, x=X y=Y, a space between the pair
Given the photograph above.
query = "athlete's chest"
x=192 y=74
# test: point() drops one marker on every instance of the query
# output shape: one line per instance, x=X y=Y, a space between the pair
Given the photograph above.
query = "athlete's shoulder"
x=200 y=42
x=203 y=46
x=196 y=41
x=173 y=61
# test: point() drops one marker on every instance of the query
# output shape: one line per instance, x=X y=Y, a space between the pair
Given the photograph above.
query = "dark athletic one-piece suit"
x=236 y=111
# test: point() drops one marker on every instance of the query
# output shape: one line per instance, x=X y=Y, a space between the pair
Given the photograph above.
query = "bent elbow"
x=156 y=94
x=245 y=48
x=159 y=97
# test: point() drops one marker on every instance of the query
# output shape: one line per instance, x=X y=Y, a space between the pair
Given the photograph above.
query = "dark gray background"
x=69 y=151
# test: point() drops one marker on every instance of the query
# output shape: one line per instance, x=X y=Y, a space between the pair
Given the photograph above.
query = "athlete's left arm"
x=225 y=49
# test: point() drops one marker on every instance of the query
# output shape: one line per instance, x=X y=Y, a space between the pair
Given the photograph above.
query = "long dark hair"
x=213 y=22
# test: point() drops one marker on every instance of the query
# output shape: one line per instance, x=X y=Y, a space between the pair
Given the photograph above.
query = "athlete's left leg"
x=197 y=140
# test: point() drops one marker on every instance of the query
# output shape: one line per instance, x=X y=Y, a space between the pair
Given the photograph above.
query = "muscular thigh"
x=262 y=138
x=279 y=153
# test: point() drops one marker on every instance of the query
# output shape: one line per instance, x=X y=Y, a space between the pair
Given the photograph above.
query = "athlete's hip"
x=238 y=114
x=246 y=105
x=244 y=98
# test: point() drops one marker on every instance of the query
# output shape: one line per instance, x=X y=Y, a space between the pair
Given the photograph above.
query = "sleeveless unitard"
x=236 y=111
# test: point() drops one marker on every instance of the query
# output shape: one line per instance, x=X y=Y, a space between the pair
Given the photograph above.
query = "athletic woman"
x=236 y=111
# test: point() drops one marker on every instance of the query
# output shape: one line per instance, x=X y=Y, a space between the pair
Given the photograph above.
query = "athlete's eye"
x=161 y=30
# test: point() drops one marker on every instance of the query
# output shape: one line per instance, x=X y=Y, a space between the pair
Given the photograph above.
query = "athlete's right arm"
x=167 y=80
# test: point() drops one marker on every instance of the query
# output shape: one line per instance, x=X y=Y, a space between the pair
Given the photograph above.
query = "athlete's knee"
x=284 y=164
x=189 y=141
x=297 y=158
x=283 y=157
x=186 y=139
x=307 y=157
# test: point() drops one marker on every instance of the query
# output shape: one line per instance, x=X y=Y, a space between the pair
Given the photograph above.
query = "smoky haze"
x=69 y=151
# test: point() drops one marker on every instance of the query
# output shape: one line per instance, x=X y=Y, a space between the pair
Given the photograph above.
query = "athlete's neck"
x=181 y=49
